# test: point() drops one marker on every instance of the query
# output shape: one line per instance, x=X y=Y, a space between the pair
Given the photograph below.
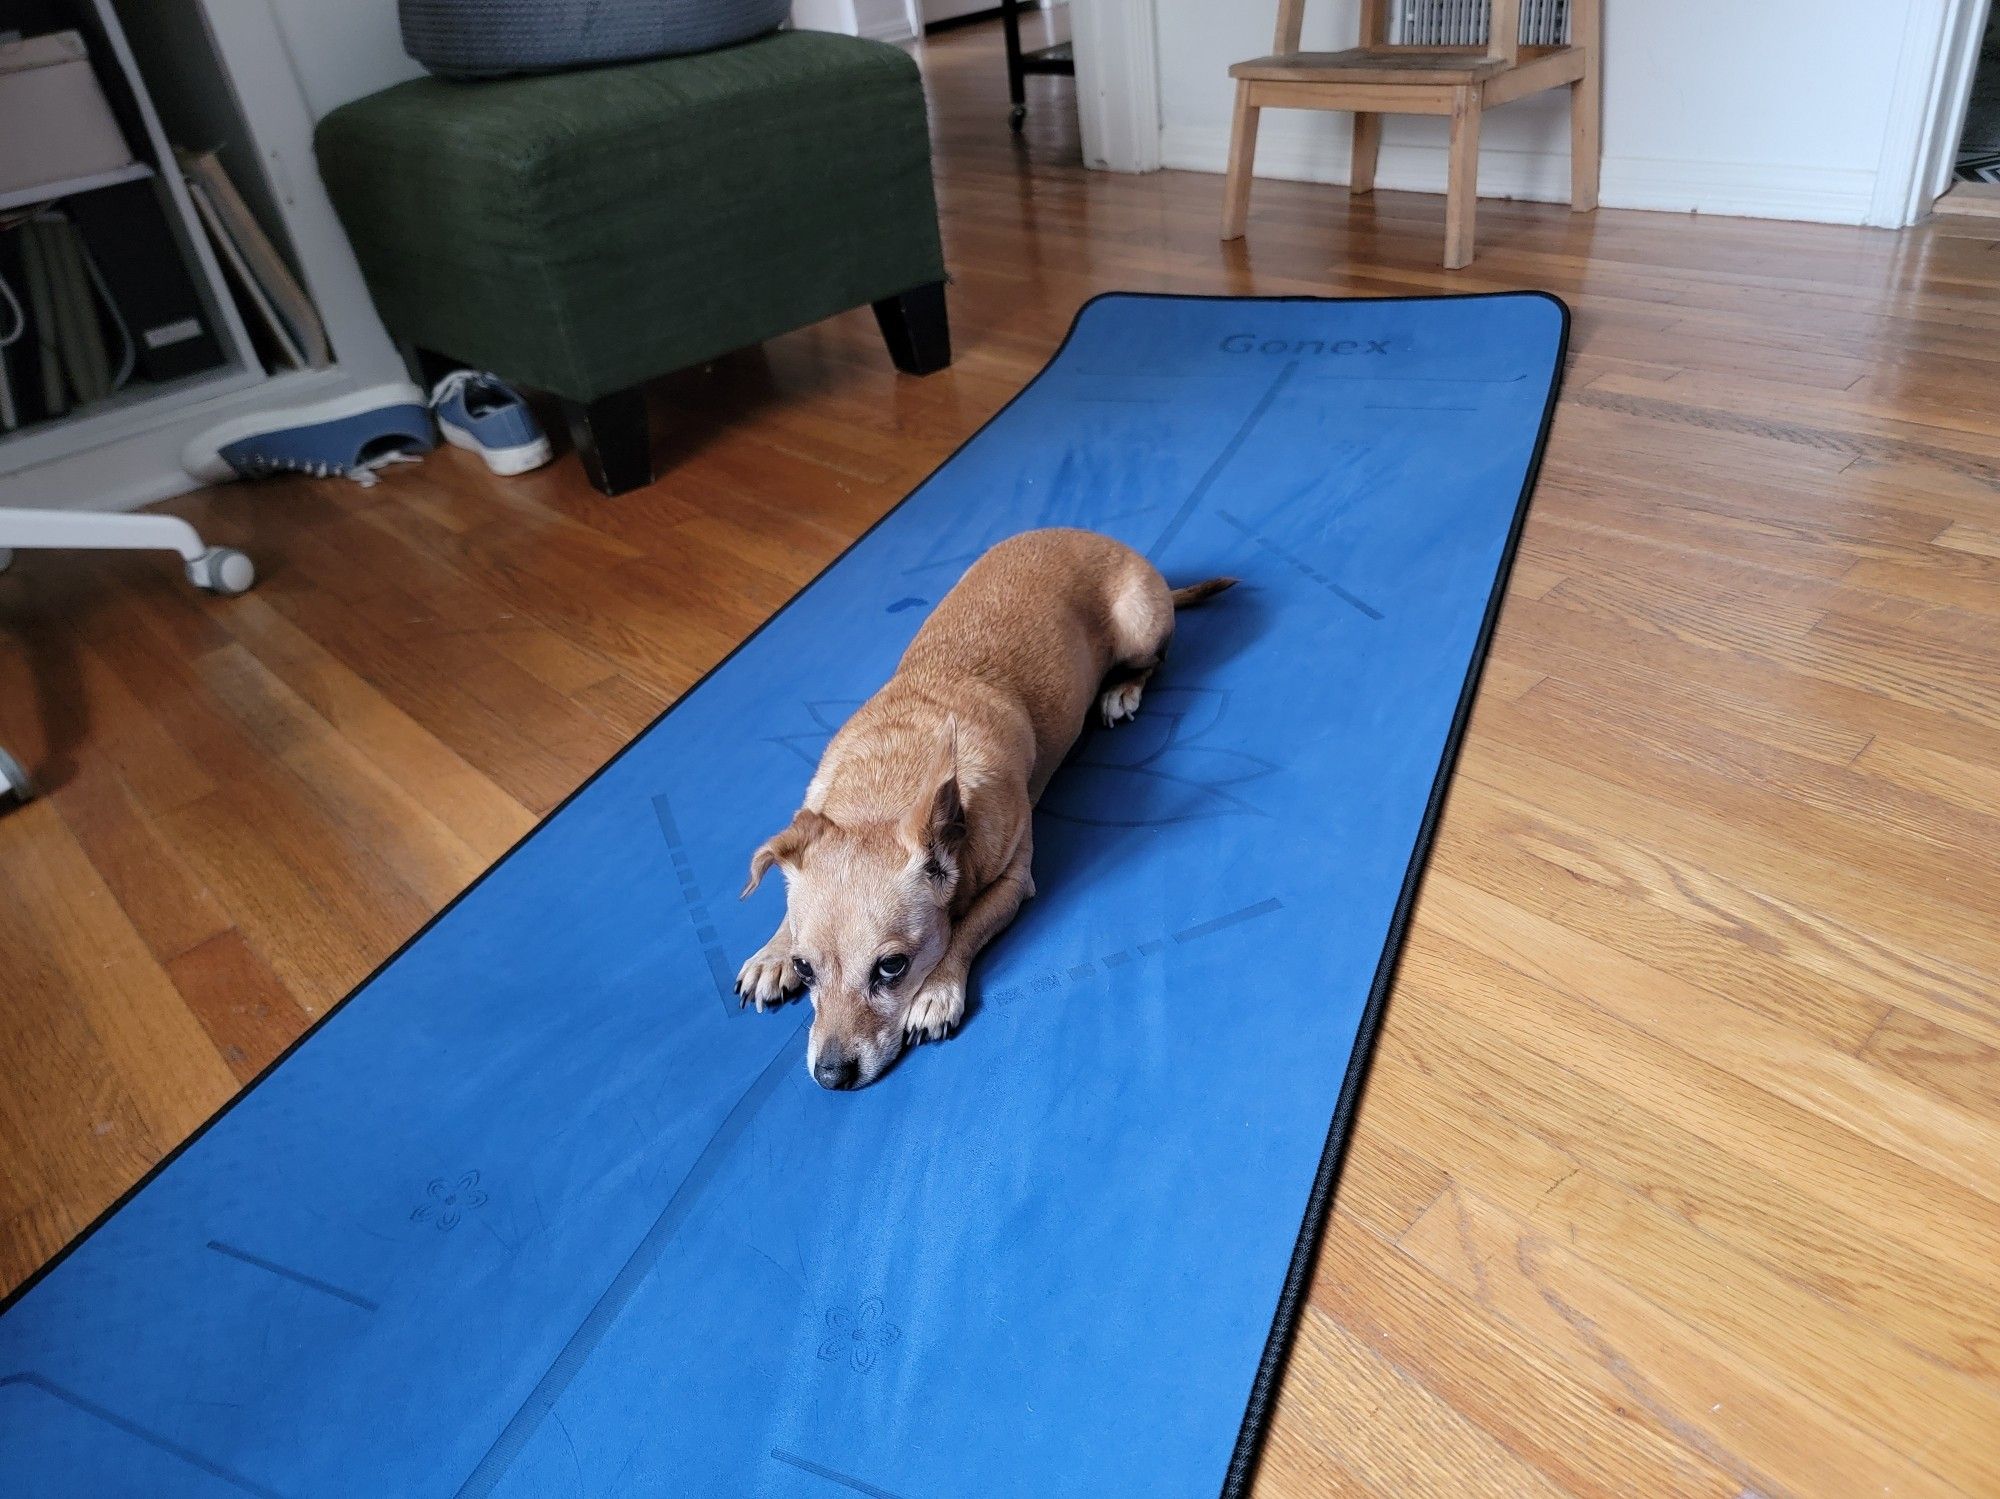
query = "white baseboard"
x=1755 y=190
x=881 y=21
x=896 y=31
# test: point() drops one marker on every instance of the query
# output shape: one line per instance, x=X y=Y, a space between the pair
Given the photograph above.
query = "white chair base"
x=220 y=570
x=216 y=569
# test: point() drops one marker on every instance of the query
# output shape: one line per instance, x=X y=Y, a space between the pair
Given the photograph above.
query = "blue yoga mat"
x=540 y=1212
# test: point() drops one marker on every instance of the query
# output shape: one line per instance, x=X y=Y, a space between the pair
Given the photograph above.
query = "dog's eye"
x=803 y=969
x=891 y=967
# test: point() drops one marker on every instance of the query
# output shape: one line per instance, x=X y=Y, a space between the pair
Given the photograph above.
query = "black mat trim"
x=1298 y=1278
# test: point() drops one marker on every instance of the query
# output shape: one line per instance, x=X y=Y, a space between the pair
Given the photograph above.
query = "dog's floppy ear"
x=935 y=830
x=784 y=847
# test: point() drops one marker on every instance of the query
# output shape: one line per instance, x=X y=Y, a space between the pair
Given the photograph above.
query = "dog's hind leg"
x=1119 y=701
x=1142 y=626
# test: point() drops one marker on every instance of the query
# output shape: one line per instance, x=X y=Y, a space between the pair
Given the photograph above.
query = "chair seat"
x=1417 y=65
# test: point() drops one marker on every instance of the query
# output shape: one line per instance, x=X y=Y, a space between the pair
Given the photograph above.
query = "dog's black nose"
x=836 y=1072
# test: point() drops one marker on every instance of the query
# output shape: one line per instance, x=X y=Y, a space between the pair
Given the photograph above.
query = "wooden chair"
x=1377 y=78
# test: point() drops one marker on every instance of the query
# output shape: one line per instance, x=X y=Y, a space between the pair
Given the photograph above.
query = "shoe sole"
x=202 y=457
x=506 y=462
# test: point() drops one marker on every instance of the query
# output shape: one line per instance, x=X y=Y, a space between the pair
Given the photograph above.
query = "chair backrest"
x=1442 y=22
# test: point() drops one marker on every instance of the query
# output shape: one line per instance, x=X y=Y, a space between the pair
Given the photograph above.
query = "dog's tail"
x=1196 y=593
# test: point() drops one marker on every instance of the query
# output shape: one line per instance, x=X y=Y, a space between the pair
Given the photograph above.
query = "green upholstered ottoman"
x=583 y=232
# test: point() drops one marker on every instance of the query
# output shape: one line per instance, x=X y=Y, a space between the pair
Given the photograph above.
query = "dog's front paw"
x=938 y=1007
x=767 y=979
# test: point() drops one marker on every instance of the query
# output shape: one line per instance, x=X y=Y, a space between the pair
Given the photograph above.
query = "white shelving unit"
x=223 y=67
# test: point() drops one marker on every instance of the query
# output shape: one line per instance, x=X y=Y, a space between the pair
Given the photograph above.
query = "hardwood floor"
x=1679 y=1170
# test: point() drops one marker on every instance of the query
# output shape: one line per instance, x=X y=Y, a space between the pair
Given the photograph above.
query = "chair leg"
x=917 y=329
x=1017 y=91
x=1367 y=151
x=1242 y=153
x=1586 y=102
x=1461 y=202
x=613 y=439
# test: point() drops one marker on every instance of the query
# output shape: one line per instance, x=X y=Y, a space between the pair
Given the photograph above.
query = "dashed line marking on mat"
x=697 y=908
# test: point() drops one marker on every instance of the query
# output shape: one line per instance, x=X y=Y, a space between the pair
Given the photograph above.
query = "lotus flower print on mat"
x=858 y=1337
x=447 y=1201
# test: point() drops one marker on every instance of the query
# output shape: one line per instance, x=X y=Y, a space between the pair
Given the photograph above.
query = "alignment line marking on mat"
x=697 y=908
x=1234 y=918
x=311 y=1282
x=820 y=1470
x=152 y=1439
x=1424 y=379
x=638 y=1265
x=1041 y=983
x=1306 y=569
x=1221 y=461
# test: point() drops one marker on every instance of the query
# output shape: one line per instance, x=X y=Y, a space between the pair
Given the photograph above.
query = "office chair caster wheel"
x=222 y=570
x=1015 y=116
x=14 y=780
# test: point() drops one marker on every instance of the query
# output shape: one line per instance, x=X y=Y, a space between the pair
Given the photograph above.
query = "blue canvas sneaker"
x=485 y=415
x=347 y=436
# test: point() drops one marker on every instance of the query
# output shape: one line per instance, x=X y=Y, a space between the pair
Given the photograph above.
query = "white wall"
x=1777 y=109
x=342 y=49
x=886 y=20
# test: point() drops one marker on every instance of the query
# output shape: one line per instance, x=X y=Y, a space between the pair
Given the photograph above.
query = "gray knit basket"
x=489 y=38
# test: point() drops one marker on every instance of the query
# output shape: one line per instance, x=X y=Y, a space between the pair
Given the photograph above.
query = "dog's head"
x=869 y=909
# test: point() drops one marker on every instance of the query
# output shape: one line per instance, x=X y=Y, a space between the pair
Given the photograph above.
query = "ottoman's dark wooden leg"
x=916 y=329
x=613 y=440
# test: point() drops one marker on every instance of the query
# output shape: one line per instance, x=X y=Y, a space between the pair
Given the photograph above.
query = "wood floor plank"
x=1818 y=1155
x=1746 y=1421
x=1690 y=923
x=1577 y=1125
x=1581 y=1430
x=166 y=902
x=476 y=812
x=1847 y=864
x=1387 y=1431
x=1948 y=1062
x=159 y=1057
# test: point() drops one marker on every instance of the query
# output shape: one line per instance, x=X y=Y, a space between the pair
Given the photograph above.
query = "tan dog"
x=914 y=845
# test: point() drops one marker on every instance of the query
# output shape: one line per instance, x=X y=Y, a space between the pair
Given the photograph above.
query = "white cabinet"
x=209 y=73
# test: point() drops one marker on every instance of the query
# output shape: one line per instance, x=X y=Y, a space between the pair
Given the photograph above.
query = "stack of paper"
x=255 y=265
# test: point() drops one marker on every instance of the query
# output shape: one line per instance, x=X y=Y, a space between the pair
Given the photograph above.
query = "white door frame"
x=1927 y=110
x=1117 y=83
